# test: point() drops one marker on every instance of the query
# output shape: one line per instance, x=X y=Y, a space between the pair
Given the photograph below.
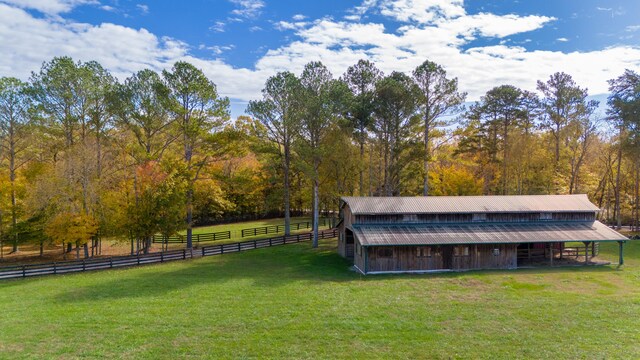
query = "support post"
x=621 y=259
x=586 y=253
x=551 y=253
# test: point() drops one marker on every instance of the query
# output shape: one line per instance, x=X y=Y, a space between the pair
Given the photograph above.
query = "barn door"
x=447 y=257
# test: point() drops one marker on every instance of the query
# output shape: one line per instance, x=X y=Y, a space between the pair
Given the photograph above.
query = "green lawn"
x=296 y=302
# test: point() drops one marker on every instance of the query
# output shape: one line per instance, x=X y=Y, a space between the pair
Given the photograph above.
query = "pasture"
x=296 y=302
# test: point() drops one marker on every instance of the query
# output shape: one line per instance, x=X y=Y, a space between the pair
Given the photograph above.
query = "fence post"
x=255 y=244
x=184 y=254
x=298 y=237
x=202 y=250
x=111 y=262
x=83 y=265
x=221 y=249
x=54 y=268
x=238 y=246
x=24 y=271
x=162 y=256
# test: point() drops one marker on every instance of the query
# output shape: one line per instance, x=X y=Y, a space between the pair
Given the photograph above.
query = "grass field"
x=296 y=302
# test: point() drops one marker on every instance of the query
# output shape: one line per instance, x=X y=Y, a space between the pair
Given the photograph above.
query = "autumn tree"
x=200 y=113
x=316 y=114
x=438 y=96
x=624 y=112
x=14 y=132
x=278 y=112
x=563 y=102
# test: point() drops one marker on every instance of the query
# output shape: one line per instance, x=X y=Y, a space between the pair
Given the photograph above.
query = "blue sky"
x=239 y=43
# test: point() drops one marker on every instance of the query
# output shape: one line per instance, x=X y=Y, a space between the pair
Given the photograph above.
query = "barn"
x=457 y=233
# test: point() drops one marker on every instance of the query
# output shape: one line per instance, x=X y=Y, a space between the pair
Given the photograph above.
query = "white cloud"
x=144 y=9
x=562 y=39
x=248 y=8
x=421 y=11
x=632 y=28
x=218 y=26
x=50 y=7
x=27 y=41
x=298 y=17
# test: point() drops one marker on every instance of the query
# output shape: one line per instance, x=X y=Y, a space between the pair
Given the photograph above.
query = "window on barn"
x=385 y=252
x=423 y=251
x=546 y=216
x=461 y=251
x=480 y=217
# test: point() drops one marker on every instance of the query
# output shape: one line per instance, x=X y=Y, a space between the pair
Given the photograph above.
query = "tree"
x=361 y=78
x=624 y=111
x=72 y=228
x=395 y=107
x=316 y=106
x=14 y=131
x=438 y=96
x=563 y=102
x=141 y=106
x=278 y=111
x=200 y=112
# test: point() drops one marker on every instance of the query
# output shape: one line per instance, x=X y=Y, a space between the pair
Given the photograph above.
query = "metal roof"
x=469 y=204
x=375 y=235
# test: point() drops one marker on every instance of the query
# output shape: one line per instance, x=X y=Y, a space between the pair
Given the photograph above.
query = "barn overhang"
x=506 y=233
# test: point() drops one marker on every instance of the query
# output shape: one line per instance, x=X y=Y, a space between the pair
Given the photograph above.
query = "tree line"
x=85 y=156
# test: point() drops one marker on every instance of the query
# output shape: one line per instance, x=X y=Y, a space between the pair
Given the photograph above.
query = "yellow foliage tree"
x=66 y=228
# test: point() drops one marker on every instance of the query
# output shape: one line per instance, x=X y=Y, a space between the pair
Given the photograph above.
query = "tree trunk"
x=426 y=155
x=287 y=188
x=360 y=167
x=617 y=194
x=85 y=246
x=505 y=146
x=315 y=204
x=190 y=218
x=77 y=250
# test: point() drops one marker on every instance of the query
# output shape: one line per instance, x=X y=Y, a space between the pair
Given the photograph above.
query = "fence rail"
x=247 y=232
x=274 y=229
x=197 y=238
x=63 y=267
x=257 y=244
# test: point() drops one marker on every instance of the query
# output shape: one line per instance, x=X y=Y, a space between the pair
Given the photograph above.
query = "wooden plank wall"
x=480 y=257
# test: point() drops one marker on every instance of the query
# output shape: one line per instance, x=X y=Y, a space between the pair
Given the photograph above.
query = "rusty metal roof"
x=376 y=235
x=469 y=204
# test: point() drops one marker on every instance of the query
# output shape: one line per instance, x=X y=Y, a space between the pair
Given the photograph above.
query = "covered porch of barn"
x=419 y=248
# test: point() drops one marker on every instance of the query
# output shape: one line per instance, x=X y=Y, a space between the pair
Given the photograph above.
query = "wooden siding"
x=359 y=256
x=405 y=258
x=341 y=239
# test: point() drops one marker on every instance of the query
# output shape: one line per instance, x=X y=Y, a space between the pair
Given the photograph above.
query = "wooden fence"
x=197 y=238
x=63 y=267
x=257 y=244
x=226 y=235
